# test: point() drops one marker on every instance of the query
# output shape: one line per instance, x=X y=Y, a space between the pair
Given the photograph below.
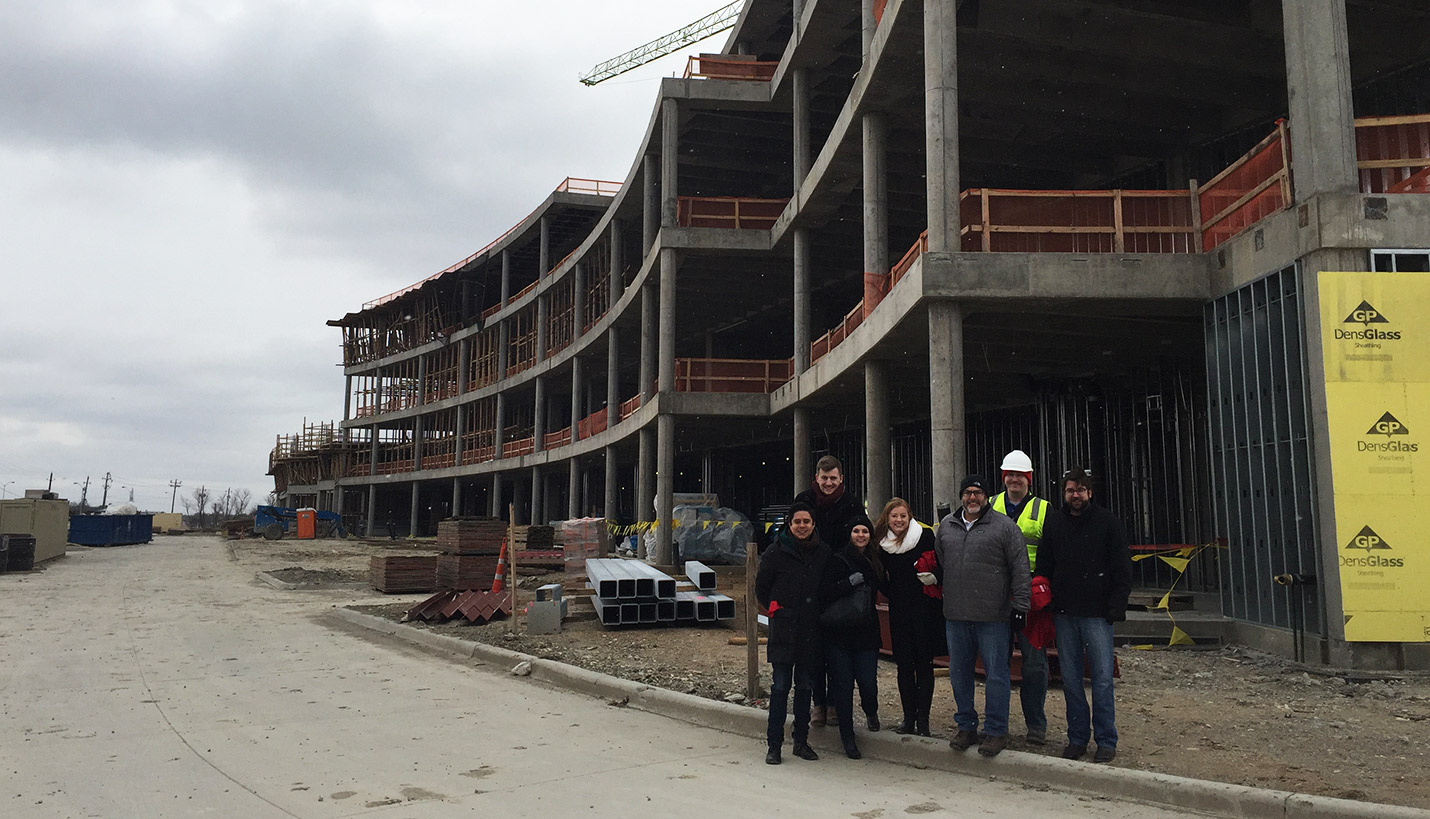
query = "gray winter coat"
x=984 y=569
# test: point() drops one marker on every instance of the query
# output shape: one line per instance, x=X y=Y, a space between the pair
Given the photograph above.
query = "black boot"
x=906 y=727
x=851 y=750
x=772 y=756
x=925 y=701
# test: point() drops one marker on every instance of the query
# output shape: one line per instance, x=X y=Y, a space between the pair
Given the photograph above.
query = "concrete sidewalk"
x=920 y=752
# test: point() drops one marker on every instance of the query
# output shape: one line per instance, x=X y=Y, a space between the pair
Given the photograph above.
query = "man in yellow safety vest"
x=1028 y=512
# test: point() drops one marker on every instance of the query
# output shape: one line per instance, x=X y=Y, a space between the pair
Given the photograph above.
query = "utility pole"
x=84 y=494
x=104 y=501
x=51 y=486
x=175 y=483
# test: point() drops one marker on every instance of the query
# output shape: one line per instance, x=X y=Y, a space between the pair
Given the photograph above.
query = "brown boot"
x=817 y=715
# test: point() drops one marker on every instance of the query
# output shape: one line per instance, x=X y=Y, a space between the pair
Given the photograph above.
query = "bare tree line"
x=231 y=503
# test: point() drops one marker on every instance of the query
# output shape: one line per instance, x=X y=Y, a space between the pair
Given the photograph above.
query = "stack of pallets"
x=470 y=547
x=537 y=546
x=402 y=574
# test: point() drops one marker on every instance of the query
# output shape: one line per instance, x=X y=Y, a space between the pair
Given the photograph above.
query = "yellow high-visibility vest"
x=1035 y=511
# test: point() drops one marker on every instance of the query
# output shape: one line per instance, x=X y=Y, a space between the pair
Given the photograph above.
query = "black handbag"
x=850 y=610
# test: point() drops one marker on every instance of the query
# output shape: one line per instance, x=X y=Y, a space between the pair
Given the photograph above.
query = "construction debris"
x=472 y=606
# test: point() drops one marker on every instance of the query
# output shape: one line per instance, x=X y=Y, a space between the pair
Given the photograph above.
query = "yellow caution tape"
x=1178 y=557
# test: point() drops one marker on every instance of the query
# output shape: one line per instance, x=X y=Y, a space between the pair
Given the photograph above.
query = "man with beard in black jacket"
x=1085 y=558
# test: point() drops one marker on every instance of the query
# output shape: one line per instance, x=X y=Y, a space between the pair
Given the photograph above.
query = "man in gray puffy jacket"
x=986 y=596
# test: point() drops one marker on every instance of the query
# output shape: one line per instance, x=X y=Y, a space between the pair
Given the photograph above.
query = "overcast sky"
x=191 y=188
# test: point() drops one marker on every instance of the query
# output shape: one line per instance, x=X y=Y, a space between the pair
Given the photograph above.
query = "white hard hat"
x=1017 y=461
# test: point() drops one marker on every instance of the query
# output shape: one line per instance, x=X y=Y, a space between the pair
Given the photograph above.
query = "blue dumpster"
x=111 y=530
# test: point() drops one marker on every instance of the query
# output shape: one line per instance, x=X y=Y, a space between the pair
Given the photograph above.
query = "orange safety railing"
x=521 y=446
x=879 y=10
x=592 y=424
x=729 y=67
x=1393 y=154
x=439 y=461
x=902 y=266
x=629 y=406
x=1252 y=188
x=479 y=455
x=560 y=437
x=728 y=212
x=1083 y=221
x=597 y=186
x=822 y=345
x=731 y=374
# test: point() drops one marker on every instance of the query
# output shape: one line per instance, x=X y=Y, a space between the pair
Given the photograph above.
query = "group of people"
x=999 y=570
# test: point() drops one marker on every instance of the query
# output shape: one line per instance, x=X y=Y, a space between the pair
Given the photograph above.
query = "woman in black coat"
x=787 y=585
x=916 y=626
x=851 y=650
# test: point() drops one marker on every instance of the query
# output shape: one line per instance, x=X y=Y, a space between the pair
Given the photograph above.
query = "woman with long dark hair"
x=916 y=630
x=850 y=624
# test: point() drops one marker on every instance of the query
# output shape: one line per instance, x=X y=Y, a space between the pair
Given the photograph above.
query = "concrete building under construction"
x=917 y=234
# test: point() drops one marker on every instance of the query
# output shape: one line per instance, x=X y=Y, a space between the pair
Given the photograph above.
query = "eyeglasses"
x=973 y=493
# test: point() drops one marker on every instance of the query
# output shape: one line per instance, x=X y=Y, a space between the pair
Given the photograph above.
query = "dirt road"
x=1227 y=715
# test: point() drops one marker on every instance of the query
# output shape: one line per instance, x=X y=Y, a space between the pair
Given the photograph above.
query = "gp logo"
x=1365 y=315
x=1388 y=425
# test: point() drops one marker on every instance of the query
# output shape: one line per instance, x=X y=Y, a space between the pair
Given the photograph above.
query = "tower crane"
x=707 y=26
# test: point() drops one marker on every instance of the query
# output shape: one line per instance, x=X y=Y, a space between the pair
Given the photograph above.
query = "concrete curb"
x=265 y=577
x=1216 y=798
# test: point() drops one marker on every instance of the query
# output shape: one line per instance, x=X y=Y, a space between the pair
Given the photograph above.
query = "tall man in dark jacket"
x=986 y=596
x=835 y=511
x=788 y=585
x=1084 y=555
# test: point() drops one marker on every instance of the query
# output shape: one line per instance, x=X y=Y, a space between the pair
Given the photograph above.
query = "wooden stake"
x=511 y=566
x=752 y=642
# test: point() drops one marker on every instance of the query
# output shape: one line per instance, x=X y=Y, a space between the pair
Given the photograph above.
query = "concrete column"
x=543 y=324
x=800 y=110
x=539 y=417
x=505 y=277
x=494 y=505
x=878 y=469
x=413 y=511
x=867 y=25
x=802 y=334
x=1318 y=88
x=457 y=432
x=347 y=397
x=876 y=201
x=650 y=204
x=669 y=161
x=617 y=260
x=456 y=497
x=941 y=178
x=544 y=249
x=666 y=374
x=417 y=425
x=946 y=405
x=538 y=500
x=372 y=461
x=645 y=475
x=649 y=295
x=421 y=379
x=465 y=310
x=499 y=436
x=573 y=490
x=664 y=487
x=613 y=484
x=503 y=348
x=464 y=364
x=519 y=489
x=578 y=302
x=578 y=375
x=613 y=381
x=803 y=451
x=371 y=509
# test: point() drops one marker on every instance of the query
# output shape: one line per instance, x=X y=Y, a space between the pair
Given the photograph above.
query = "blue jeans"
x=966 y=640
x=784 y=676
x=1087 y=640
x=1033 y=690
x=845 y=669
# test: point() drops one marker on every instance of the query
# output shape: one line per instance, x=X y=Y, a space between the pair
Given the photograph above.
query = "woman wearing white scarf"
x=916 y=632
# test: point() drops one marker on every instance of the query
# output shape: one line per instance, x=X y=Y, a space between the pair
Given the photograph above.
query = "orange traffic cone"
x=500 y=579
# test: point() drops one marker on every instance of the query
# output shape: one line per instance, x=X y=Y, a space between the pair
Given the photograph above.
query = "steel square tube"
x=665 y=611
x=603 y=576
x=704 y=609
x=685 y=606
x=724 y=607
x=701 y=575
x=648 y=612
x=608 y=610
x=630 y=612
